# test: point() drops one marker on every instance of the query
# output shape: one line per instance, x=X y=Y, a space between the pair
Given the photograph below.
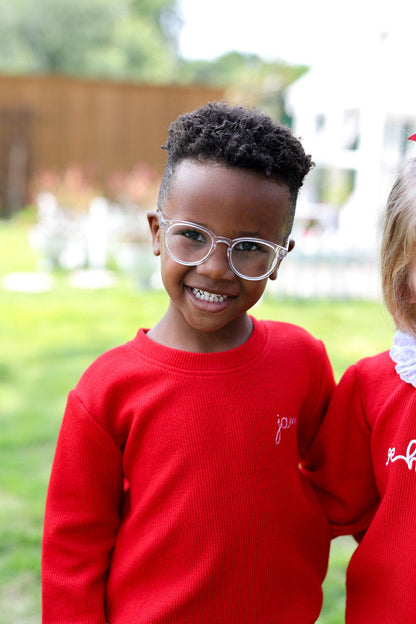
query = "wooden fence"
x=54 y=122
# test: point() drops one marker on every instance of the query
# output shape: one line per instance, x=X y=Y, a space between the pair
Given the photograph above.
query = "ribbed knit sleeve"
x=317 y=396
x=340 y=463
x=81 y=520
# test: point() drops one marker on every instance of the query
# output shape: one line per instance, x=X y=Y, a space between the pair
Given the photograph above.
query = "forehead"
x=229 y=200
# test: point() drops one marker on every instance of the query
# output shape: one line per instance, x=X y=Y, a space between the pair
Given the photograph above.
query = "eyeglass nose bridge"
x=220 y=239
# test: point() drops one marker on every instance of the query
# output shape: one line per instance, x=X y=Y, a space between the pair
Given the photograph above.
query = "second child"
x=364 y=460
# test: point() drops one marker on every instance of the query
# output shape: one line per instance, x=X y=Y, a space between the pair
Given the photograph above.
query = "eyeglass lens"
x=191 y=245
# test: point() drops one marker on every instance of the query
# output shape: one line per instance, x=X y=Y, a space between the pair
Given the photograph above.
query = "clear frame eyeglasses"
x=191 y=244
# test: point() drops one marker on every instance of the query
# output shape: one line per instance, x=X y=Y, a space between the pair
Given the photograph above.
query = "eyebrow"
x=255 y=234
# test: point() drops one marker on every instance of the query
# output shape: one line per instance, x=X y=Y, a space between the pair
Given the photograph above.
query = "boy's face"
x=233 y=203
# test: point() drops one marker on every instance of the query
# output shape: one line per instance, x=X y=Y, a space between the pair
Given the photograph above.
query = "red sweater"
x=176 y=496
x=364 y=462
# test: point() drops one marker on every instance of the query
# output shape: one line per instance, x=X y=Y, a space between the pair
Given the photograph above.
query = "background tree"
x=99 y=38
x=129 y=40
x=247 y=78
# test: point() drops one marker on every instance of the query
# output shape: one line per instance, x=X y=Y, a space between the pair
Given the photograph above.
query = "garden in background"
x=49 y=338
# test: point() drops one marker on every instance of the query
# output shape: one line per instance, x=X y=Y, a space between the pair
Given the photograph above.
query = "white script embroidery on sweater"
x=409 y=458
x=282 y=424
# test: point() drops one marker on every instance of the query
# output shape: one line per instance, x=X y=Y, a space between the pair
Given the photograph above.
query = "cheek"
x=411 y=281
x=255 y=290
x=412 y=292
x=172 y=273
x=166 y=262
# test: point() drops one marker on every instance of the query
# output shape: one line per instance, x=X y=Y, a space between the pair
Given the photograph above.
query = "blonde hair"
x=398 y=249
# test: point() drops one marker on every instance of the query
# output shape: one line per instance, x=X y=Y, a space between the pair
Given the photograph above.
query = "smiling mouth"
x=204 y=295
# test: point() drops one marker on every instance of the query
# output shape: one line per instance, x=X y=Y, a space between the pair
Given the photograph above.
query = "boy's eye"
x=193 y=235
x=249 y=246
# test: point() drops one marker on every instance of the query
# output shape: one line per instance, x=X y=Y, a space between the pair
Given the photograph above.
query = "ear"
x=154 y=226
x=291 y=245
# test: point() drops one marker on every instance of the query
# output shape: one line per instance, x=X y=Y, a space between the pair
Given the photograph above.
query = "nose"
x=216 y=266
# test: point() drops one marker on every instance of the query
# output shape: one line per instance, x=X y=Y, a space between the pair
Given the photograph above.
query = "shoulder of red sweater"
x=371 y=374
x=289 y=332
x=115 y=362
x=379 y=363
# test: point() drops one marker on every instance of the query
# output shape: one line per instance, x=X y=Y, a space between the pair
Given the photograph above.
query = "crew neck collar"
x=236 y=358
x=403 y=353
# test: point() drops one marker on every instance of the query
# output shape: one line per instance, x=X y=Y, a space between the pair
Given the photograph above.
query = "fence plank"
x=99 y=125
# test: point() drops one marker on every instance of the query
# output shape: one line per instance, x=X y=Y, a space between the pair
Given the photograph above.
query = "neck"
x=188 y=339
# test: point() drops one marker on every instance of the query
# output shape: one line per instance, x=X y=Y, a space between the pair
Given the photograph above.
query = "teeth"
x=207 y=296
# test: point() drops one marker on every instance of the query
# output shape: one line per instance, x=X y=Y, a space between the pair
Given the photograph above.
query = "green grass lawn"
x=48 y=339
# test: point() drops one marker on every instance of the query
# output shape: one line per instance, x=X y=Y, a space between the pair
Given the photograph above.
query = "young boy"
x=176 y=495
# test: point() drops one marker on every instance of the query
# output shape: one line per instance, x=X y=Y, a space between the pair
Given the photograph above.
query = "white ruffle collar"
x=403 y=353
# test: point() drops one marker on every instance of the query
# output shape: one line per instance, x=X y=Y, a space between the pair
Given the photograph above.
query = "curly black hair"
x=237 y=137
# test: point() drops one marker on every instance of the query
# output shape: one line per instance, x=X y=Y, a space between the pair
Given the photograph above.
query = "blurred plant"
x=134 y=193
x=138 y=187
x=85 y=224
x=73 y=189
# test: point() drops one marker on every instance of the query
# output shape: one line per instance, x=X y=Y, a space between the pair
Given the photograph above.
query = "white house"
x=354 y=117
